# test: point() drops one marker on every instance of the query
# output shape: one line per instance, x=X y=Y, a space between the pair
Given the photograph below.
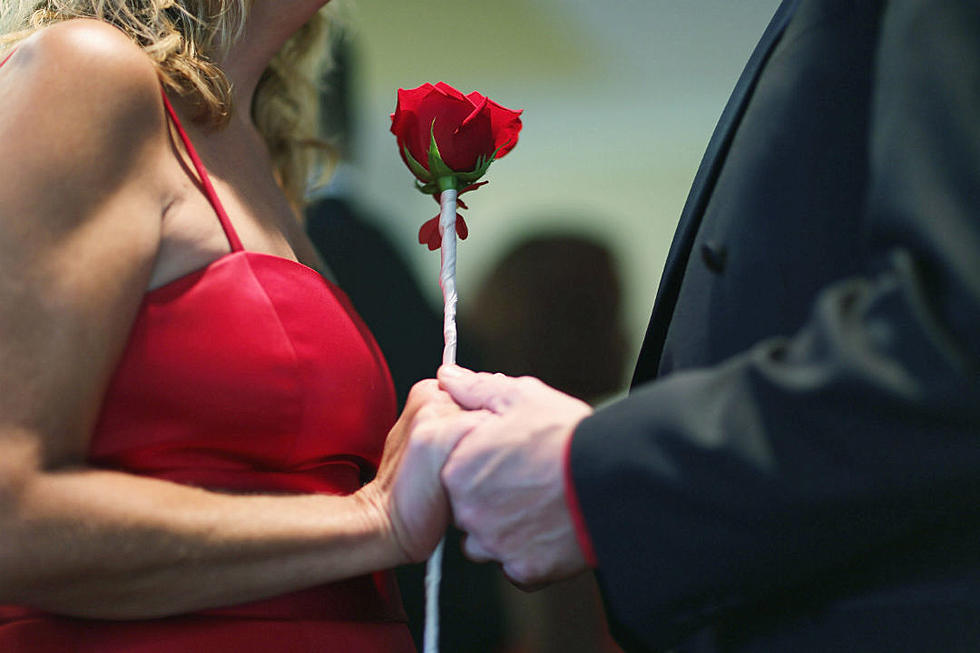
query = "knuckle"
x=451 y=479
x=427 y=385
x=499 y=404
x=526 y=384
x=473 y=549
x=430 y=420
x=519 y=571
x=496 y=541
x=466 y=517
x=486 y=381
x=422 y=438
x=426 y=413
x=423 y=389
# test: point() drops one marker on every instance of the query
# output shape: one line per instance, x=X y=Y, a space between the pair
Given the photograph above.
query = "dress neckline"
x=225 y=259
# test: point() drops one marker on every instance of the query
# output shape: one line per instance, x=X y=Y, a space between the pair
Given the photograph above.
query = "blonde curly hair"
x=184 y=38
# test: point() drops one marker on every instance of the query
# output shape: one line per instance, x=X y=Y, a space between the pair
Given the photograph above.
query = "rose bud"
x=442 y=132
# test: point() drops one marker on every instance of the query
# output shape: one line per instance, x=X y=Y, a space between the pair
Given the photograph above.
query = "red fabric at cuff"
x=578 y=519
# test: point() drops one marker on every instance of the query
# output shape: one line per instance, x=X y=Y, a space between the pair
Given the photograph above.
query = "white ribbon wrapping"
x=447 y=281
x=447 y=274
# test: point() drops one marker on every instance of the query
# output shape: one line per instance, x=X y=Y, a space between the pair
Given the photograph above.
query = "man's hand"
x=505 y=478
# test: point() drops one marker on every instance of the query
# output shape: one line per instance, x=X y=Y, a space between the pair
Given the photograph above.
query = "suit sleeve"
x=715 y=488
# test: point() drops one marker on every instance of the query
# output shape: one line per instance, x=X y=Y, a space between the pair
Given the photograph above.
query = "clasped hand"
x=501 y=448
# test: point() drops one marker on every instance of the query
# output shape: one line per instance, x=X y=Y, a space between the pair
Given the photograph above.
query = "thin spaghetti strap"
x=7 y=58
x=202 y=173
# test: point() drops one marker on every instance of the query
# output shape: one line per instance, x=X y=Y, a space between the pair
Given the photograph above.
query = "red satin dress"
x=252 y=374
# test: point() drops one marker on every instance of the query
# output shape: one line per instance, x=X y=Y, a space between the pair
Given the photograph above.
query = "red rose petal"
x=506 y=125
x=427 y=230
x=478 y=108
x=470 y=188
x=465 y=127
x=449 y=91
x=405 y=125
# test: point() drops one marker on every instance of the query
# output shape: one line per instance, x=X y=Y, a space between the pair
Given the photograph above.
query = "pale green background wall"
x=620 y=99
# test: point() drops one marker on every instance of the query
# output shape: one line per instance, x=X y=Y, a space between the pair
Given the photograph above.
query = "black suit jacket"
x=798 y=463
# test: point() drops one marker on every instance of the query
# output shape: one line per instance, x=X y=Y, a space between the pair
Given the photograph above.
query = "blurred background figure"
x=551 y=308
x=384 y=290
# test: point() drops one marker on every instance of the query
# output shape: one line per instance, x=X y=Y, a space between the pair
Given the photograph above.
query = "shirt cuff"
x=575 y=509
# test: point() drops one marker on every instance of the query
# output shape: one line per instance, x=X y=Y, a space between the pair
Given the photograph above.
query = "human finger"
x=475 y=551
x=426 y=403
x=435 y=407
x=475 y=390
x=440 y=432
x=420 y=505
x=422 y=393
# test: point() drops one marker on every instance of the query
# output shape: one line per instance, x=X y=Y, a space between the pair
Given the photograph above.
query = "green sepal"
x=482 y=164
x=439 y=176
x=417 y=168
x=437 y=167
x=431 y=188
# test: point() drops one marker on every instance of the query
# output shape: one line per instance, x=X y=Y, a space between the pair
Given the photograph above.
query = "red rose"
x=448 y=140
x=469 y=130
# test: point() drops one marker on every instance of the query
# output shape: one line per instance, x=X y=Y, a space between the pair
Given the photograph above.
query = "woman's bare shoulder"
x=81 y=54
x=74 y=93
x=79 y=77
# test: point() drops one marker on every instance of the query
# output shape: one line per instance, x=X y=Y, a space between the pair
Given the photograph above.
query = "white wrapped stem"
x=447 y=275
x=447 y=280
x=433 y=576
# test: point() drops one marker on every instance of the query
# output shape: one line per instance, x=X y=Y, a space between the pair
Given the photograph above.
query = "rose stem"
x=447 y=275
x=447 y=280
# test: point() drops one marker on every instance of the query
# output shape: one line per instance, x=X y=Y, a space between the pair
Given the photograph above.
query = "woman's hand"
x=407 y=495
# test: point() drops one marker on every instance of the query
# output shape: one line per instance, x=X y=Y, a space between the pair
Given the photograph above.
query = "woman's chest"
x=255 y=367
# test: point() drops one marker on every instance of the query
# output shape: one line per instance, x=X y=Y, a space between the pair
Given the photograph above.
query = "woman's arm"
x=81 y=200
x=111 y=545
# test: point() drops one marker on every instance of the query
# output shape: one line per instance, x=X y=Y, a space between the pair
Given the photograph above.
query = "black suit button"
x=714 y=256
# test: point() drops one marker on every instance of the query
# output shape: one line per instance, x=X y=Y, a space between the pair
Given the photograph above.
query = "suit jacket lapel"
x=697 y=200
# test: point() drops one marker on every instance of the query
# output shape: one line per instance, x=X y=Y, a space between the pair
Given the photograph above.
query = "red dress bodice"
x=253 y=374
